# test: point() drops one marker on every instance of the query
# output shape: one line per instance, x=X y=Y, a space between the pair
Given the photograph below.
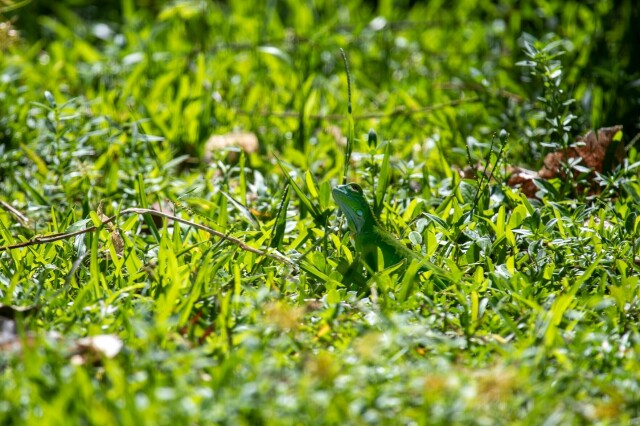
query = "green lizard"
x=368 y=233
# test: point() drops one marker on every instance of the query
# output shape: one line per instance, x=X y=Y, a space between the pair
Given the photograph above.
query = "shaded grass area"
x=537 y=324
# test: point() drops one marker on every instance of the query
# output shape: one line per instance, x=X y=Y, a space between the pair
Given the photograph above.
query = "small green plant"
x=555 y=112
x=556 y=129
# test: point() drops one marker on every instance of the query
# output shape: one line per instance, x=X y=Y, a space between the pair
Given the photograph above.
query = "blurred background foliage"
x=116 y=101
x=198 y=67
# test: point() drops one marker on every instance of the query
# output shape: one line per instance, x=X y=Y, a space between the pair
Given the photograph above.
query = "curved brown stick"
x=44 y=239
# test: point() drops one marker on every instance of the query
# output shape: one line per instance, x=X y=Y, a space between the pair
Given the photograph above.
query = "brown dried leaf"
x=90 y=349
x=475 y=171
x=117 y=241
x=523 y=179
x=599 y=153
x=246 y=141
x=593 y=151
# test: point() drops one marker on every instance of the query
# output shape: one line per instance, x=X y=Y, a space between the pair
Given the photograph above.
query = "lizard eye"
x=359 y=213
x=355 y=187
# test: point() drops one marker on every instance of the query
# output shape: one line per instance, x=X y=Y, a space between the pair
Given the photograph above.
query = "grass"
x=229 y=301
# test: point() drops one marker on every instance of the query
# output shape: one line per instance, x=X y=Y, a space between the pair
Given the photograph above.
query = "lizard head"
x=351 y=200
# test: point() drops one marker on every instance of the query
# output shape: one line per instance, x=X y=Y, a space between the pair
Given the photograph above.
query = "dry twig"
x=45 y=239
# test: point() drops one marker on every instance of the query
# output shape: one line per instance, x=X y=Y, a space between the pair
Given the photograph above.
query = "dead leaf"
x=89 y=349
x=103 y=217
x=600 y=154
x=117 y=241
x=591 y=149
x=523 y=179
x=246 y=141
